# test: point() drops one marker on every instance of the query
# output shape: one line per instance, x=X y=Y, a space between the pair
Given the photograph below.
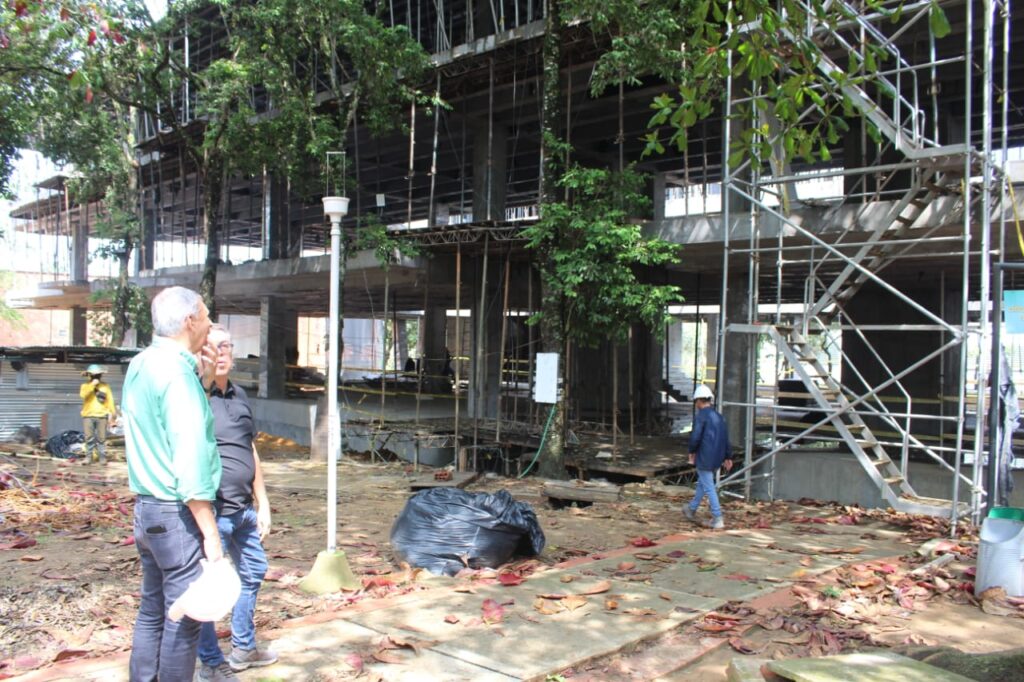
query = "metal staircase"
x=842 y=412
x=935 y=171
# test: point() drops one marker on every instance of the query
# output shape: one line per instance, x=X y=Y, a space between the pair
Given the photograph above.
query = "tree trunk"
x=213 y=180
x=551 y=463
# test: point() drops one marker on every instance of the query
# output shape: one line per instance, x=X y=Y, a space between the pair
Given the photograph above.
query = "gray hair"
x=218 y=327
x=171 y=307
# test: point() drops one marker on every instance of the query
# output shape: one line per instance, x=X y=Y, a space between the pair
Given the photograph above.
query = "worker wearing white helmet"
x=709 y=450
x=98 y=411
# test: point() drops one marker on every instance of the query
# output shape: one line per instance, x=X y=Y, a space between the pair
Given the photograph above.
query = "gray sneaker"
x=216 y=673
x=242 y=659
x=689 y=513
x=716 y=523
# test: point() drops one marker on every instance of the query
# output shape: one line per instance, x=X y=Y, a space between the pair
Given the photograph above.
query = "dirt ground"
x=69 y=575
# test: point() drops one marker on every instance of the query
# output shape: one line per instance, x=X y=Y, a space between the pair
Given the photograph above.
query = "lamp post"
x=331 y=571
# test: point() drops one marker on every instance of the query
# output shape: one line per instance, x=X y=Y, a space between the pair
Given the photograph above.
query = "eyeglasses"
x=225 y=345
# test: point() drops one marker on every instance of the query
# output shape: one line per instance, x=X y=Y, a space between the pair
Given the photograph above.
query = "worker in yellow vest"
x=98 y=410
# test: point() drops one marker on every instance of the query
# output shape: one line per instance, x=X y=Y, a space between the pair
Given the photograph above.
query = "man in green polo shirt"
x=174 y=469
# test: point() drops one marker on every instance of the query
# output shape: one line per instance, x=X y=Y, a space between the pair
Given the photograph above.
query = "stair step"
x=932 y=506
x=893 y=479
x=882 y=462
x=920 y=203
x=868 y=444
x=905 y=220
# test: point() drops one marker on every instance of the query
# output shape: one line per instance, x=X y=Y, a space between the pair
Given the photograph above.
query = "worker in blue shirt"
x=709 y=449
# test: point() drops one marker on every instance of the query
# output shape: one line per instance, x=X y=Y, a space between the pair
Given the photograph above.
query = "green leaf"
x=938 y=21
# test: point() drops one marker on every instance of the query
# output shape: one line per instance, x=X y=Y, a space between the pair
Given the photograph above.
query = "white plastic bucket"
x=1001 y=557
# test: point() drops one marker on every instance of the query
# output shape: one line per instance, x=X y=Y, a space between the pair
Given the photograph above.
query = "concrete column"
x=490 y=145
x=709 y=327
x=485 y=360
x=79 y=333
x=432 y=347
x=80 y=247
x=658 y=198
x=150 y=222
x=734 y=377
x=278 y=241
x=873 y=305
x=278 y=343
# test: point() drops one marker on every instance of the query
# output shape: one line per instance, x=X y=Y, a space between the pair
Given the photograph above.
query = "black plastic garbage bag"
x=447 y=529
x=62 y=444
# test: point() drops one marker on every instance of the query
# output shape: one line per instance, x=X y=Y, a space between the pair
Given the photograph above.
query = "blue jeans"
x=240 y=535
x=170 y=546
x=706 y=486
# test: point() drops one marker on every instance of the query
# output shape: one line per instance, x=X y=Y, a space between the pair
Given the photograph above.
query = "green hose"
x=543 y=437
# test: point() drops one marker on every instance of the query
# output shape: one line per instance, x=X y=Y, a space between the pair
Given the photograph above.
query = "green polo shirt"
x=168 y=426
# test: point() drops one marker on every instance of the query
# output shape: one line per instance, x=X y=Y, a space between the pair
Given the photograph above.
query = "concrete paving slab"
x=527 y=643
x=804 y=540
x=738 y=556
x=311 y=652
x=881 y=667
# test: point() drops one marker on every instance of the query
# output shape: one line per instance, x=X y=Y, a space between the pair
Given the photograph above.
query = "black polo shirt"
x=234 y=429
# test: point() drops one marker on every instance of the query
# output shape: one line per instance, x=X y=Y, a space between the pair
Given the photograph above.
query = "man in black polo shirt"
x=243 y=518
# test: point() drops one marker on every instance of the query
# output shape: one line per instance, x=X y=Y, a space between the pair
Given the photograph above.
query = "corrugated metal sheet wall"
x=48 y=383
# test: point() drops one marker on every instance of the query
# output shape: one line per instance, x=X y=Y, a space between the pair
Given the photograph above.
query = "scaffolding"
x=918 y=192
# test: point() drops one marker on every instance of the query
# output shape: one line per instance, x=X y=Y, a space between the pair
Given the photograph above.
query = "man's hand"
x=207 y=364
x=263 y=521
x=693 y=458
x=727 y=464
x=212 y=547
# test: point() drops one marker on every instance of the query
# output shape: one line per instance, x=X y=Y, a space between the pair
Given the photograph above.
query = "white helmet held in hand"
x=211 y=596
x=702 y=392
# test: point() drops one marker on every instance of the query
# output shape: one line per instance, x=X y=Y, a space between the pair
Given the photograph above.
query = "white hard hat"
x=702 y=392
x=211 y=596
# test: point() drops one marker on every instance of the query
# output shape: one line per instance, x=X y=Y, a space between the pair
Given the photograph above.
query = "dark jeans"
x=240 y=535
x=170 y=547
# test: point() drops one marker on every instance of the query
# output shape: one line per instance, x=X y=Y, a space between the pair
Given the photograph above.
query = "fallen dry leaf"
x=642 y=542
x=741 y=646
x=597 y=588
x=574 y=601
x=547 y=606
x=611 y=604
x=30 y=557
x=509 y=579
x=492 y=611
x=566 y=578
x=640 y=612
x=666 y=596
x=67 y=654
x=388 y=657
x=354 y=661
x=625 y=566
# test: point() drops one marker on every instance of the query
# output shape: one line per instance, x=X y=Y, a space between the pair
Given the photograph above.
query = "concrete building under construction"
x=842 y=310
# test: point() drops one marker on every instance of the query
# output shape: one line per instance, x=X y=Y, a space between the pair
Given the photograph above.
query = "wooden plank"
x=587 y=491
x=459 y=479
